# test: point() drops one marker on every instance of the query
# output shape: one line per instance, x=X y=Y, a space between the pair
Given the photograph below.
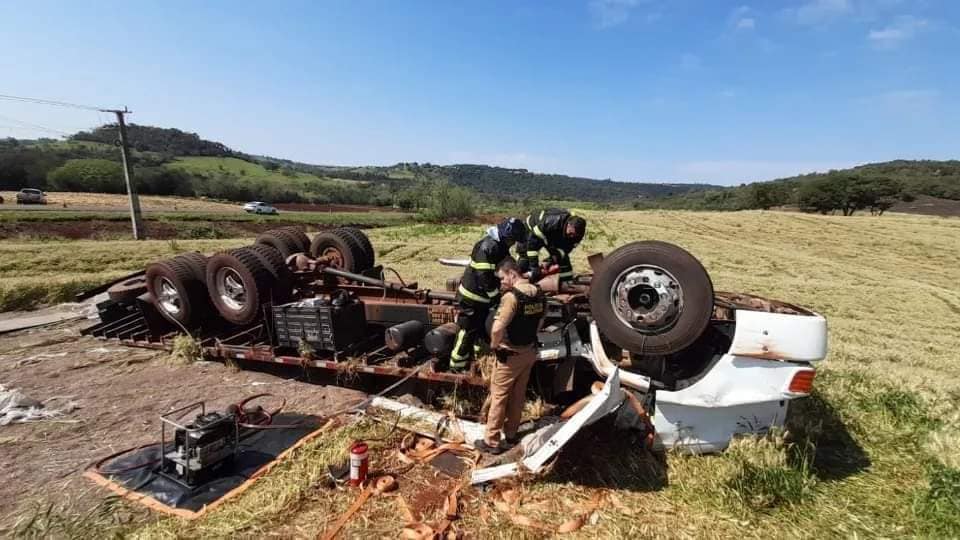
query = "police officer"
x=480 y=287
x=559 y=232
x=513 y=338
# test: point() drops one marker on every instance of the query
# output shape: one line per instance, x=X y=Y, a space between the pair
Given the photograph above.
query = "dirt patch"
x=309 y=207
x=120 y=392
x=929 y=206
x=116 y=201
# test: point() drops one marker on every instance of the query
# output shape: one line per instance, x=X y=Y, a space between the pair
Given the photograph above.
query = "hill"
x=173 y=162
x=903 y=181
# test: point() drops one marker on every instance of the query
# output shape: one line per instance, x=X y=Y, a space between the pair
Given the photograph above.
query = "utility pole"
x=135 y=216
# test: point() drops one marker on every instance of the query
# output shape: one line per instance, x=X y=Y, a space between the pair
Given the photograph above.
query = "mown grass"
x=874 y=453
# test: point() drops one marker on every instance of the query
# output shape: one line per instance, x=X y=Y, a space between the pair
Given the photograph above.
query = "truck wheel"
x=177 y=293
x=239 y=285
x=125 y=292
x=340 y=249
x=283 y=278
x=299 y=237
x=361 y=238
x=651 y=298
x=197 y=263
x=281 y=241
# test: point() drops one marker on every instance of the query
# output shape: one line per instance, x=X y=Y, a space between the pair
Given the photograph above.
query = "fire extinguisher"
x=359 y=463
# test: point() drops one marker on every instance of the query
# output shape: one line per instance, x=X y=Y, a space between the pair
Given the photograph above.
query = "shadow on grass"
x=600 y=456
x=822 y=437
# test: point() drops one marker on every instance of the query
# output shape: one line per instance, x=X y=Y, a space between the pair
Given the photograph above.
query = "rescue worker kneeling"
x=513 y=338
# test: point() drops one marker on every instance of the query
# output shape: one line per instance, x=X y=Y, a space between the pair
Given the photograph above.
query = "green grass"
x=874 y=453
x=207 y=166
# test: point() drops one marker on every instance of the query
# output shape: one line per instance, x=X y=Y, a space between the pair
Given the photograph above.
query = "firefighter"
x=480 y=287
x=513 y=339
x=559 y=232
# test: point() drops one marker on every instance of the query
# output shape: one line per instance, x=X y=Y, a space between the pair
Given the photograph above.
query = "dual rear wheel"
x=238 y=284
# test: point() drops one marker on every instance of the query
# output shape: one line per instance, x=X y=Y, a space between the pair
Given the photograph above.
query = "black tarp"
x=256 y=450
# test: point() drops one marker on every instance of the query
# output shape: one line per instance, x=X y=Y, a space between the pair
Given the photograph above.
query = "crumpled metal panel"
x=539 y=447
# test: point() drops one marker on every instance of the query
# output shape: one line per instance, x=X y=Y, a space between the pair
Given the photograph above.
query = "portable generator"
x=200 y=448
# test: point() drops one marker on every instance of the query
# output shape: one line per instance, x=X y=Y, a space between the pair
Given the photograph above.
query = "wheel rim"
x=230 y=286
x=334 y=256
x=169 y=298
x=647 y=299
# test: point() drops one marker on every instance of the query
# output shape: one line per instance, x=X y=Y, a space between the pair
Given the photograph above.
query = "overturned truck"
x=707 y=365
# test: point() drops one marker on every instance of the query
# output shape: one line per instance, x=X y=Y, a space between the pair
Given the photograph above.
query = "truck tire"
x=298 y=236
x=361 y=238
x=177 y=293
x=197 y=263
x=279 y=240
x=282 y=276
x=651 y=298
x=239 y=285
x=341 y=249
x=126 y=291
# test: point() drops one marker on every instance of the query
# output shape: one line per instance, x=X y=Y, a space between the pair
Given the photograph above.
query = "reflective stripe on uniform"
x=565 y=274
x=493 y=294
x=482 y=265
x=538 y=232
x=562 y=252
x=454 y=357
x=472 y=295
x=532 y=253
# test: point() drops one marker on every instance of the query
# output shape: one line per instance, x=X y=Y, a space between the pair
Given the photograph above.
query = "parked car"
x=31 y=196
x=257 y=207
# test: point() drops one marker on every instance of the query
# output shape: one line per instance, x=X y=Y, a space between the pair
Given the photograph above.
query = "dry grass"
x=872 y=454
x=111 y=201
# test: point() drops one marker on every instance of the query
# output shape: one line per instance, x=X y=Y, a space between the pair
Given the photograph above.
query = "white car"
x=257 y=207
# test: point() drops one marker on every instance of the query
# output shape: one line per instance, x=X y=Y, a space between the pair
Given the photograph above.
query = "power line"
x=40 y=101
x=35 y=126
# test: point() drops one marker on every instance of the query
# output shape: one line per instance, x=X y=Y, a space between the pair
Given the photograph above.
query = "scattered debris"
x=539 y=447
x=16 y=407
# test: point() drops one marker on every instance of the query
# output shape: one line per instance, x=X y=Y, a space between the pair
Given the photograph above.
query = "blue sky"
x=651 y=90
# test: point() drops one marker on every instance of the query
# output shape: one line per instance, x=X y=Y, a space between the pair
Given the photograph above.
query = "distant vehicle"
x=31 y=196
x=257 y=207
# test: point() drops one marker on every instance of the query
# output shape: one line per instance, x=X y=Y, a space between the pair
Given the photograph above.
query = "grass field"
x=205 y=166
x=115 y=201
x=875 y=453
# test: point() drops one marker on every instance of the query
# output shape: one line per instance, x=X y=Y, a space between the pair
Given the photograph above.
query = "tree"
x=91 y=175
x=764 y=195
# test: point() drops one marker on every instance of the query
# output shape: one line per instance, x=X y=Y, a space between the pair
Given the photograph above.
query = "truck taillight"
x=802 y=382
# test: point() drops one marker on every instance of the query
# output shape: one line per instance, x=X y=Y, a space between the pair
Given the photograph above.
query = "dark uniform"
x=480 y=288
x=547 y=231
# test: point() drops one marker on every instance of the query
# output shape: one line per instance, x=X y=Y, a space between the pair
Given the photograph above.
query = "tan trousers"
x=508 y=392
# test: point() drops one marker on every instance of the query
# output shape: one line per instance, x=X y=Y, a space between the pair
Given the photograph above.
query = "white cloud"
x=610 y=13
x=902 y=29
x=818 y=12
x=742 y=18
